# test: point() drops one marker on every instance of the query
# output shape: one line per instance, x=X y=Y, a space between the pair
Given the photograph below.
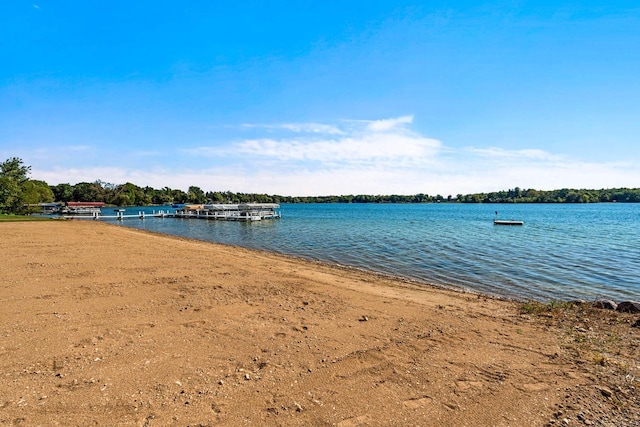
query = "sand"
x=106 y=325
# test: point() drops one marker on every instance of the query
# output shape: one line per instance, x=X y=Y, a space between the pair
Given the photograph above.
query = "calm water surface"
x=563 y=251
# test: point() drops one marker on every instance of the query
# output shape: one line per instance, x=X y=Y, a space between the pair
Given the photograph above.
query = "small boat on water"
x=497 y=221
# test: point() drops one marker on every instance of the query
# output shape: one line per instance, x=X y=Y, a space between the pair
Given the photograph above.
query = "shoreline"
x=382 y=275
x=327 y=264
x=490 y=260
x=344 y=267
x=121 y=326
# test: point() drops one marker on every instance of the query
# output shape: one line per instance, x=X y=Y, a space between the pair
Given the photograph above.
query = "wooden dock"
x=120 y=215
x=497 y=221
x=246 y=212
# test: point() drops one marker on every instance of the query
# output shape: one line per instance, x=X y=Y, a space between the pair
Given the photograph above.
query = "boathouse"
x=231 y=212
x=82 y=208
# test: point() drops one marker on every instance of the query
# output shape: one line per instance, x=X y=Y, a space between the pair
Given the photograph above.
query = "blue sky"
x=317 y=98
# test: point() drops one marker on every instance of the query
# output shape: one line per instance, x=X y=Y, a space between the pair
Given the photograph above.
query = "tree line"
x=17 y=191
x=132 y=195
x=20 y=195
x=565 y=195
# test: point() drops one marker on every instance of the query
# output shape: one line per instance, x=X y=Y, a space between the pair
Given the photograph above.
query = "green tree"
x=160 y=197
x=62 y=192
x=196 y=195
x=88 y=192
x=129 y=194
x=13 y=176
x=215 y=197
x=35 y=191
x=179 y=196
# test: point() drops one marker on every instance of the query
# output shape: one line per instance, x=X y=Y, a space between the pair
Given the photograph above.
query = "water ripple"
x=562 y=251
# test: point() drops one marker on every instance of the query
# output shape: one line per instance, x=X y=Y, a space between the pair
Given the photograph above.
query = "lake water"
x=563 y=251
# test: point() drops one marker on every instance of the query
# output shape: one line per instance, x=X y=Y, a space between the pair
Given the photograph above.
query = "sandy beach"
x=106 y=325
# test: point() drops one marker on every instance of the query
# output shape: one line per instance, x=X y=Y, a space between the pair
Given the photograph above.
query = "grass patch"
x=17 y=218
x=553 y=307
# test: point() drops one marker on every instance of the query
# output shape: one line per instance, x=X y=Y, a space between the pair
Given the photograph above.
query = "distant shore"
x=110 y=325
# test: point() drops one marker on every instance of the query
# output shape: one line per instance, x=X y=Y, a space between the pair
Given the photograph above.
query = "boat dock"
x=120 y=215
x=231 y=212
x=248 y=212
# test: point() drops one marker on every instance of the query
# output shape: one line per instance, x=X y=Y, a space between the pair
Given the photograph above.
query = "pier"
x=231 y=212
x=246 y=212
x=120 y=215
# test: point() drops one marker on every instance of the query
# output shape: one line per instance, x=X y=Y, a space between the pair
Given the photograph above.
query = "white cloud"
x=208 y=151
x=366 y=142
x=355 y=157
x=524 y=154
x=299 y=128
x=312 y=128
x=72 y=176
x=454 y=176
x=366 y=148
x=389 y=124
